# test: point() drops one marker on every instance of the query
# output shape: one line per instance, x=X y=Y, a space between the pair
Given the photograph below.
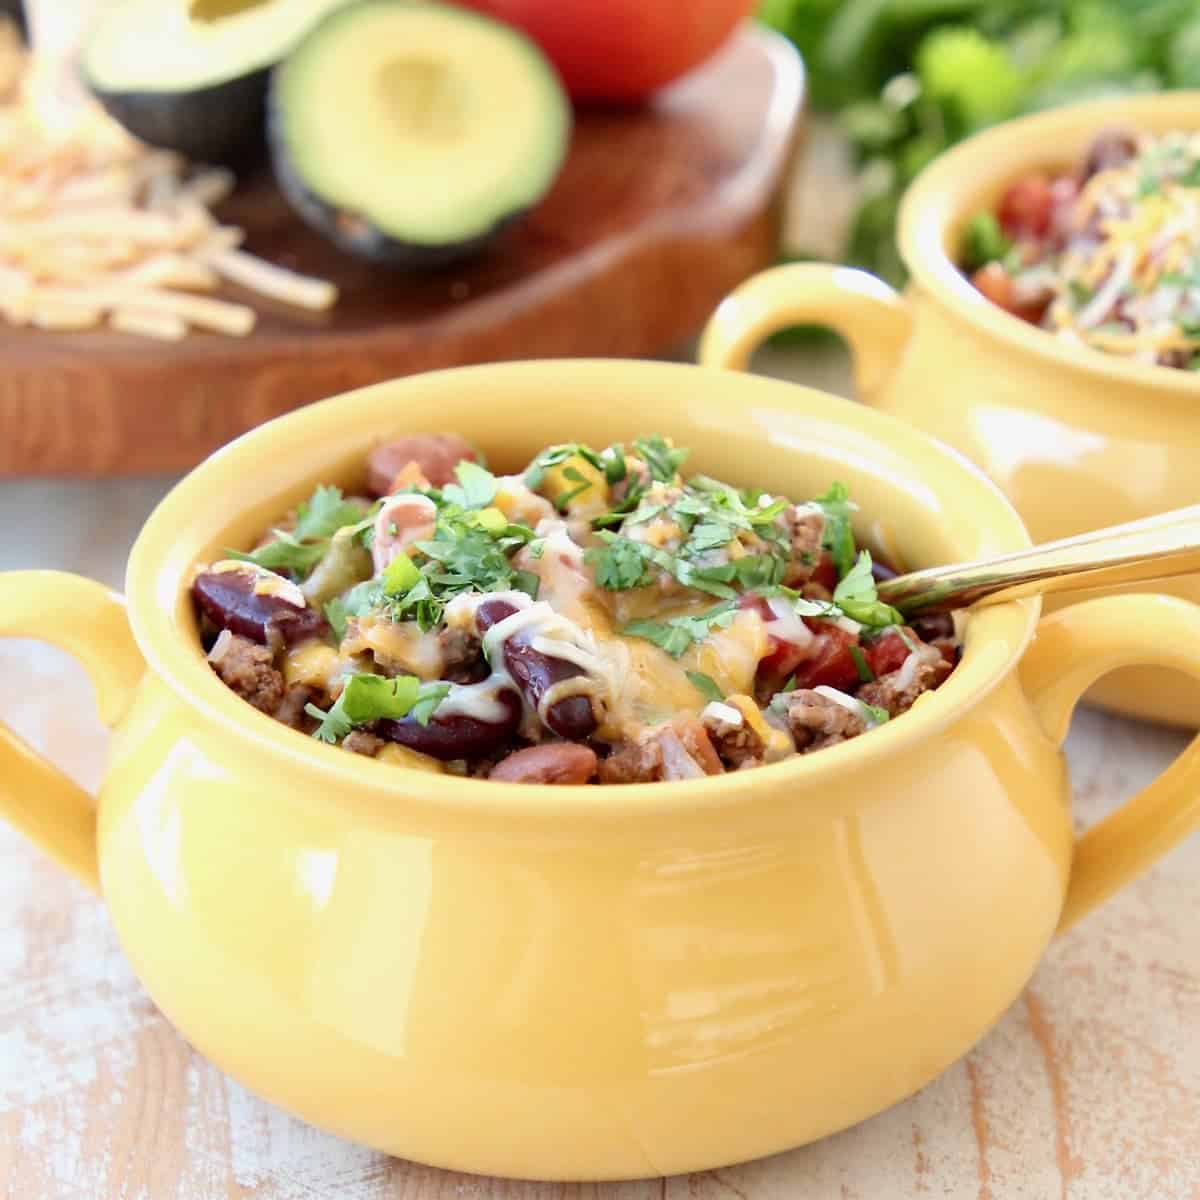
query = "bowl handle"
x=873 y=318
x=1071 y=650
x=87 y=620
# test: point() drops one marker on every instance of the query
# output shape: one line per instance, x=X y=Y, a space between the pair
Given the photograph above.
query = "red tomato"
x=620 y=50
x=831 y=662
x=887 y=653
x=1026 y=207
x=998 y=286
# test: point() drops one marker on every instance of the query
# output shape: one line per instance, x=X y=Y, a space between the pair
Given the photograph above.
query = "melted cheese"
x=402 y=756
x=314 y=664
x=402 y=647
x=266 y=583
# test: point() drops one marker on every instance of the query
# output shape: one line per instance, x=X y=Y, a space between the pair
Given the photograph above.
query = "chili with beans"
x=598 y=617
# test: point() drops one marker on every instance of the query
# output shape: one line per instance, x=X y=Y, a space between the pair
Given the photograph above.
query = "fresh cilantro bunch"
x=299 y=549
x=367 y=698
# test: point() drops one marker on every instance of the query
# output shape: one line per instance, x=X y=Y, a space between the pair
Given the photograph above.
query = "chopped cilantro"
x=324 y=513
x=676 y=634
x=615 y=467
x=705 y=685
x=285 y=553
x=865 y=674
x=879 y=715
x=367 y=698
x=838 y=535
x=299 y=549
x=663 y=459
x=820 y=609
x=857 y=597
x=553 y=456
x=335 y=614
x=476 y=486
x=617 y=564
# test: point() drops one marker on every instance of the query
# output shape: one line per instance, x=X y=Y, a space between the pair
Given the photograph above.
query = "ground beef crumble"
x=248 y=669
x=816 y=721
x=896 y=693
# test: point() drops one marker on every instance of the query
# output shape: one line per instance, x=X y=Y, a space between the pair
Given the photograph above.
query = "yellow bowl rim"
x=153 y=592
x=932 y=204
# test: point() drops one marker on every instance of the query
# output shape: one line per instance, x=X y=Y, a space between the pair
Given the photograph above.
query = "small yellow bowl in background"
x=1077 y=439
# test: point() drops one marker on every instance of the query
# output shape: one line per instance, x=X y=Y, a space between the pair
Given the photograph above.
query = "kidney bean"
x=881 y=570
x=436 y=454
x=455 y=735
x=553 y=762
x=932 y=627
x=535 y=674
x=240 y=600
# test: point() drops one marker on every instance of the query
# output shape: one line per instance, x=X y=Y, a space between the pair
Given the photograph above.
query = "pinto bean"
x=436 y=454
x=256 y=604
x=553 y=762
x=535 y=674
x=455 y=735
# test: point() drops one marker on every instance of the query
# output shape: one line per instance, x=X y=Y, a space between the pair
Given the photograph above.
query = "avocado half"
x=412 y=133
x=191 y=75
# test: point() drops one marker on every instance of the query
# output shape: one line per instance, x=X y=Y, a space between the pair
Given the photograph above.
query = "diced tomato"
x=829 y=662
x=998 y=286
x=887 y=653
x=1025 y=209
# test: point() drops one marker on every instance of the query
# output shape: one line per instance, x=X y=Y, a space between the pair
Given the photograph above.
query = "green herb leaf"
x=615 y=467
x=663 y=459
x=324 y=513
x=838 y=534
x=857 y=597
x=552 y=456
x=476 y=486
x=335 y=614
x=705 y=685
x=618 y=565
x=285 y=553
x=880 y=716
x=865 y=674
x=367 y=698
x=676 y=634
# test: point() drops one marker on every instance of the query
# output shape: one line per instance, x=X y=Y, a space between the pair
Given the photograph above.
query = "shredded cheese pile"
x=1128 y=279
x=96 y=227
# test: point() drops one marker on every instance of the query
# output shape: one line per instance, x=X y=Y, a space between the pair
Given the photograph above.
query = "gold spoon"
x=1153 y=548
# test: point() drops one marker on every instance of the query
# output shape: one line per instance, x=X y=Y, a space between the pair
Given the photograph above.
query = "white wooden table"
x=1089 y=1088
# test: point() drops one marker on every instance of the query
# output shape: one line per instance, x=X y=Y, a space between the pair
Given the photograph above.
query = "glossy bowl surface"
x=583 y=982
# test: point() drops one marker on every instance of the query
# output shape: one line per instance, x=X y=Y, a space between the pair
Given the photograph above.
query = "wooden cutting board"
x=657 y=214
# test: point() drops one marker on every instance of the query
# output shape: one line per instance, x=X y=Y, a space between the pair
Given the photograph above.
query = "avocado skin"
x=222 y=123
x=354 y=233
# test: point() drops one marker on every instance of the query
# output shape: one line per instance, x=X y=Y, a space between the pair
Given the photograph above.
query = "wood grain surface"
x=1088 y=1089
x=657 y=214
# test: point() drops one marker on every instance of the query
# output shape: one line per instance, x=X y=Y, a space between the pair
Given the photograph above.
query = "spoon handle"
x=1156 y=547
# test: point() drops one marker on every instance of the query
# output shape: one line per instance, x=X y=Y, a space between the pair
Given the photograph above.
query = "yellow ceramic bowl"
x=1076 y=439
x=589 y=982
